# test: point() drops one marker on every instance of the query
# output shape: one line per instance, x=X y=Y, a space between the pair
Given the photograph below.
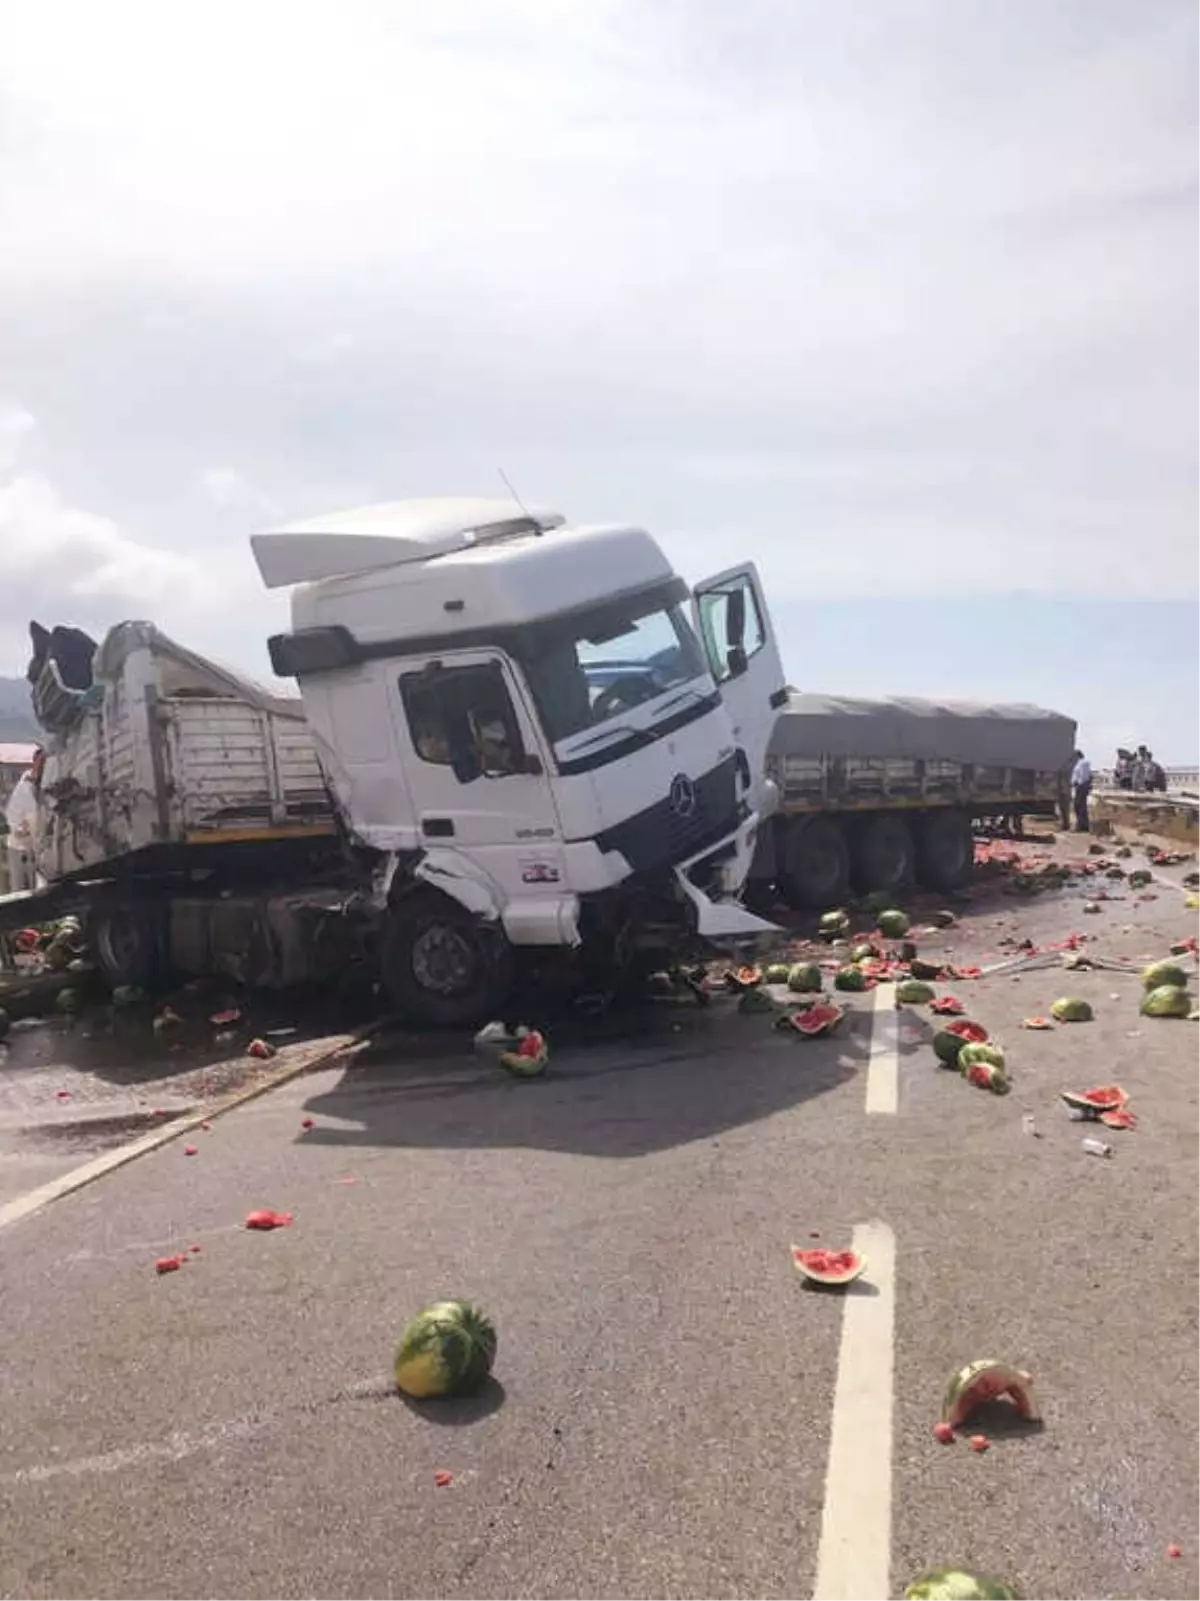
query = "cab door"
x=735 y=626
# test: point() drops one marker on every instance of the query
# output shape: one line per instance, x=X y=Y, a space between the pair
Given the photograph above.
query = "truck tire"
x=129 y=941
x=443 y=967
x=945 y=850
x=882 y=855
x=816 y=863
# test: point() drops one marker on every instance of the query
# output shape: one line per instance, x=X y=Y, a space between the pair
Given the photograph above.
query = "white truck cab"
x=538 y=733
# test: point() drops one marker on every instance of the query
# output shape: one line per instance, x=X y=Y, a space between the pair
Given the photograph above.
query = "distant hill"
x=17 y=722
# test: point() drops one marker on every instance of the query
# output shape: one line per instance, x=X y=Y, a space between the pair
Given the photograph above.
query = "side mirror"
x=735 y=618
x=736 y=661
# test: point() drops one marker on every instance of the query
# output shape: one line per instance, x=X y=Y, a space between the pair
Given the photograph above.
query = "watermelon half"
x=828 y=1267
x=743 y=978
x=948 y=1041
x=813 y=1021
x=1107 y=1098
x=957 y=1584
x=530 y=1057
x=979 y=1382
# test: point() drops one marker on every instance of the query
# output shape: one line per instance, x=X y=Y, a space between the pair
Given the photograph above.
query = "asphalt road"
x=665 y=1387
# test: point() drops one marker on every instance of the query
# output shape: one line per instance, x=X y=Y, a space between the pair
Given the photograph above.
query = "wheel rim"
x=445 y=960
x=119 y=942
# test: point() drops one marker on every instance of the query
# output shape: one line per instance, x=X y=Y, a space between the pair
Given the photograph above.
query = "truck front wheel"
x=443 y=967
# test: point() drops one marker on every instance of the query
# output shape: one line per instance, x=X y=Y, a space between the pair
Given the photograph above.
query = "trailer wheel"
x=129 y=940
x=883 y=855
x=816 y=860
x=945 y=850
x=441 y=966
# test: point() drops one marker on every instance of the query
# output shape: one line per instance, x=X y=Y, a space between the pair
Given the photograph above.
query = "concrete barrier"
x=1172 y=817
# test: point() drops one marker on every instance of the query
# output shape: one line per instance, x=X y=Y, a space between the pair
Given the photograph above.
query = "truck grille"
x=659 y=837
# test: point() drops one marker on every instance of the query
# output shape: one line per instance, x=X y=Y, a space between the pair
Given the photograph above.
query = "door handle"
x=437 y=827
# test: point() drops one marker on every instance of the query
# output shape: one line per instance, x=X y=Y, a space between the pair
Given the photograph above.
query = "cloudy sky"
x=897 y=297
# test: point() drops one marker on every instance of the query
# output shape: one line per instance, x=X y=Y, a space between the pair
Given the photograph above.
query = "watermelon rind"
x=850 y=978
x=777 y=973
x=865 y=952
x=980 y=1054
x=912 y=992
x=943 y=918
x=957 y=1584
x=1071 y=1009
x=815 y=1274
x=1160 y=974
x=1168 y=1000
x=919 y=968
x=804 y=978
x=833 y=925
x=986 y=1076
x=1108 y=1098
x=986 y=1380
x=447 y=1349
x=529 y=1059
x=948 y=1041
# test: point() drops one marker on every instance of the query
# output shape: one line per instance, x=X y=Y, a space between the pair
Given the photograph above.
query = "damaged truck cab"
x=535 y=735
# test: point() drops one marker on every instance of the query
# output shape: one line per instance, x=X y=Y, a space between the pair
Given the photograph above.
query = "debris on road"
x=169 y=1264
x=980 y=1442
x=956 y=1584
x=443 y=1479
x=814 y=1021
x=987 y=1380
x=261 y=1050
x=947 y=1006
x=1097 y=1148
x=530 y=1056
x=1106 y=1098
x=828 y=1268
x=267 y=1219
x=1039 y=1023
x=944 y=1434
x=190 y=1150
x=447 y=1349
x=1166 y=1001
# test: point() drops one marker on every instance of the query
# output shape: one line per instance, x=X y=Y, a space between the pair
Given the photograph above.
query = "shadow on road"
x=459 y=1412
x=621 y=1086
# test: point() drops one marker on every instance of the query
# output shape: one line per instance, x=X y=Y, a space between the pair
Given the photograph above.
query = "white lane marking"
x=854 y=1556
x=883 y=1065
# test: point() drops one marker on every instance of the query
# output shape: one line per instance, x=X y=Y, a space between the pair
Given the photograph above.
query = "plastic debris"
x=1097 y=1148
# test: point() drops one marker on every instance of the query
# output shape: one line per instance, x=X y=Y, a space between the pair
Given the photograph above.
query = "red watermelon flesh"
x=946 y=1005
x=828 y=1267
x=1107 y=1098
x=1120 y=1118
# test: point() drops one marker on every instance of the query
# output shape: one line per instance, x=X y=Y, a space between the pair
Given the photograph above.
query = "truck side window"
x=477 y=696
x=714 y=624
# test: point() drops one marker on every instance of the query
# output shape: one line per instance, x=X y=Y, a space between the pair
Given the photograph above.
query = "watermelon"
x=1108 y=1098
x=1070 y=1009
x=821 y=1018
x=956 y=1584
x=447 y=1349
x=828 y=1267
x=1037 y=1022
x=986 y=1076
x=849 y=978
x=1121 y=1118
x=804 y=978
x=833 y=925
x=892 y=924
x=1139 y=878
x=943 y=919
x=755 y=1001
x=946 y=1005
x=948 y=1041
x=529 y=1058
x=878 y=901
x=1166 y=1001
x=979 y=1382
x=1161 y=974
x=976 y=1052
x=913 y=993
x=919 y=968
x=743 y=978
x=68 y=1001
x=777 y=973
x=865 y=952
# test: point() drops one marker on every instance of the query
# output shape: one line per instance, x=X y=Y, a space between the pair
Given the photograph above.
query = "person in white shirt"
x=21 y=815
x=1081 y=788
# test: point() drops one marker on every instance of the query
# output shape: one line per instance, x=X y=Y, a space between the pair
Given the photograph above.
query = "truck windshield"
x=595 y=665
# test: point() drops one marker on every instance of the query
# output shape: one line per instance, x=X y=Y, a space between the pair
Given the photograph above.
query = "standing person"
x=21 y=816
x=1141 y=769
x=1123 y=769
x=1156 y=778
x=1081 y=788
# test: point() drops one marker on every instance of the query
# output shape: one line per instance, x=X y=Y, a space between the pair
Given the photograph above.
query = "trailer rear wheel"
x=129 y=939
x=443 y=967
x=945 y=850
x=816 y=858
x=883 y=855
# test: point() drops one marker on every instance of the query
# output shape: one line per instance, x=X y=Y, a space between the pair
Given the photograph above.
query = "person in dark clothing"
x=1081 y=789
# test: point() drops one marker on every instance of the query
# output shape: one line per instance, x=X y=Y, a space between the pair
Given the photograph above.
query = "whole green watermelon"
x=447 y=1349
x=956 y=1584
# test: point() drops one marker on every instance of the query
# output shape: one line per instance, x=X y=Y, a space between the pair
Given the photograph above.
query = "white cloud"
x=231 y=491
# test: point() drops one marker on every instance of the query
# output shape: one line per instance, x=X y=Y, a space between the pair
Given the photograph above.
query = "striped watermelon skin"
x=447 y=1349
x=956 y=1584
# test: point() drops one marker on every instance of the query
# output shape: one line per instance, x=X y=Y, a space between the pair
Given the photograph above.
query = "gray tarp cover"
x=953 y=731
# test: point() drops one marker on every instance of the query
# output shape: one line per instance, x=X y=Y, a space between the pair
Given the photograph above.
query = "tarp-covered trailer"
x=877 y=793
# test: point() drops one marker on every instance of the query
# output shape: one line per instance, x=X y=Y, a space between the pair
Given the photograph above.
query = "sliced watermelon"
x=947 y=1006
x=813 y=1021
x=828 y=1267
x=948 y=1041
x=743 y=978
x=1120 y=1118
x=1037 y=1022
x=1107 y=1098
